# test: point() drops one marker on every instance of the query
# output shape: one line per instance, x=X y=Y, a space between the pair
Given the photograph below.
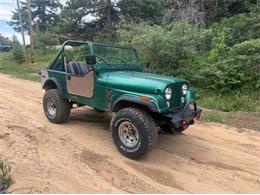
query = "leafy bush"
x=234 y=68
x=162 y=49
x=232 y=60
x=223 y=57
x=238 y=28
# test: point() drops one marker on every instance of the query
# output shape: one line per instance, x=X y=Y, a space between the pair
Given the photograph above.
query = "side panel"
x=94 y=101
x=82 y=86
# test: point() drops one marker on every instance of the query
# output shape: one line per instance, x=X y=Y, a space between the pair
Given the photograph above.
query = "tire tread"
x=149 y=127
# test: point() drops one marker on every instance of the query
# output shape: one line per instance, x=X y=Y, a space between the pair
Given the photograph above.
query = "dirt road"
x=79 y=157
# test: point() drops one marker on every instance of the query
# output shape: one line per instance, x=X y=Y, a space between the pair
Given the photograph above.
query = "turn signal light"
x=144 y=98
x=197 y=117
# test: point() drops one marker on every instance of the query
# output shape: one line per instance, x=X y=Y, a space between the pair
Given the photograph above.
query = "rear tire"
x=56 y=108
x=134 y=132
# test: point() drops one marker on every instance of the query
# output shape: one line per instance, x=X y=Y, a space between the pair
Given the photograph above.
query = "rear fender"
x=52 y=83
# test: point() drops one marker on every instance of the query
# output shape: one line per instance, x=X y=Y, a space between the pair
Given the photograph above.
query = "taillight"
x=185 y=124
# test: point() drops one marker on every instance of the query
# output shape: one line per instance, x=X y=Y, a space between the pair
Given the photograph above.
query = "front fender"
x=155 y=104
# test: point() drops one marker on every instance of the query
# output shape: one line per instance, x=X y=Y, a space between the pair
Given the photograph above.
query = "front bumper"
x=186 y=116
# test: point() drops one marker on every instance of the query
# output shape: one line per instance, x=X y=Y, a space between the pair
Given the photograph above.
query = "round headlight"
x=168 y=93
x=184 y=89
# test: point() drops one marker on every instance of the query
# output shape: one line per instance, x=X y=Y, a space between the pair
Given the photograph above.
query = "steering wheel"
x=103 y=59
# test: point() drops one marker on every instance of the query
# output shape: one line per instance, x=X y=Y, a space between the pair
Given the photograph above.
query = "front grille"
x=175 y=102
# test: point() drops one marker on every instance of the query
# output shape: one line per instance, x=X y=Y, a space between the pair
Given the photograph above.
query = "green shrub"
x=17 y=53
x=6 y=179
x=162 y=49
x=238 y=28
x=238 y=68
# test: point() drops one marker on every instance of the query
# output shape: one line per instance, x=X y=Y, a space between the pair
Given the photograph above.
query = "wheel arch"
x=129 y=101
x=52 y=83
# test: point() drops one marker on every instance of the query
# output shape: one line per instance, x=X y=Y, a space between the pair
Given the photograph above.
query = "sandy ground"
x=79 y=156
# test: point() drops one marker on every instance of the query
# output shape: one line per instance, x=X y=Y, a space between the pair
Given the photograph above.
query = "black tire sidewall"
x=62 y=106
x=143 y=144
x=120 y=144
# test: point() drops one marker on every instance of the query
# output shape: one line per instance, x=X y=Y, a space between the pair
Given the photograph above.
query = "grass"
x=6 y=179
x=24 y=71
x=212 y=117
x=231 y=102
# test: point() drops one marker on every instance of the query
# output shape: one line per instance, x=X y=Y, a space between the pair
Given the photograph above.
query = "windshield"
x=114 y=55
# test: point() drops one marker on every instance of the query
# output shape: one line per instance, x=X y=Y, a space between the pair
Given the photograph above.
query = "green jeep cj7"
x=109 y=78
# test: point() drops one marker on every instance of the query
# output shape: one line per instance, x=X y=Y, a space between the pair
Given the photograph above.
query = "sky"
x=6 y=8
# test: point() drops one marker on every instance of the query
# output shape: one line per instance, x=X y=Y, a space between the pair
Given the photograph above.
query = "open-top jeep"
x=109 y=78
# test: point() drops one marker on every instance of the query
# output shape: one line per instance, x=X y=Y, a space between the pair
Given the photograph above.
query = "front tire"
x=134 y=132
x=56 y=108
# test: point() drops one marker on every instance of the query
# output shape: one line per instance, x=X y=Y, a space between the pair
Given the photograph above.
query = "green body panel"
x=62 y=80
x=112 y=82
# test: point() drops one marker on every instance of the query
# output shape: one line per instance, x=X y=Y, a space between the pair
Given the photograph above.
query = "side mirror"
x=91 y=59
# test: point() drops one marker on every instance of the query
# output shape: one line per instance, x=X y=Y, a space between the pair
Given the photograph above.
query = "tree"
x=201 y=12
x=22 y=31
x=17 y=52
x=192 y=11
x=106 y=19
x=44 y=14
x=29 y=4
x=146 y=10
x=15 y=22
x=83 y=19
x=44 y=40
x=73 y=21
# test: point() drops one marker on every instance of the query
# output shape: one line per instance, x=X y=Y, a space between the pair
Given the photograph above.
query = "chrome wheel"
x=128 y=134
x=51 y=108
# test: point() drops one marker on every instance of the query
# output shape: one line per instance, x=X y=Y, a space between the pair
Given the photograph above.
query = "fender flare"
x=135 y=100
x=56 y=83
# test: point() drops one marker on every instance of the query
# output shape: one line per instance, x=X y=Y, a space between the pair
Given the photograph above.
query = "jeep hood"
x=136 y=81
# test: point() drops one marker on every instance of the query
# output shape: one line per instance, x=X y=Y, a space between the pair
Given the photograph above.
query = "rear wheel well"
x=49 y=85
x=124 y=104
